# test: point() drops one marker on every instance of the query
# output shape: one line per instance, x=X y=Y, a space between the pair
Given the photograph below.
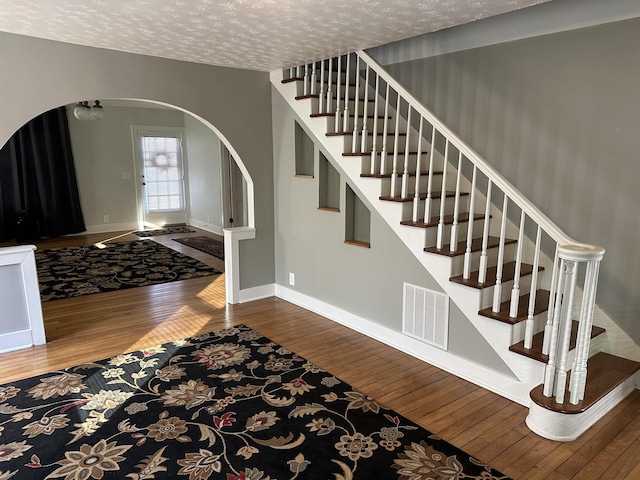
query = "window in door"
x=162 y=162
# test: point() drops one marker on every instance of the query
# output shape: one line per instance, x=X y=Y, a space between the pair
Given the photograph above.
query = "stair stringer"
x=527 y=372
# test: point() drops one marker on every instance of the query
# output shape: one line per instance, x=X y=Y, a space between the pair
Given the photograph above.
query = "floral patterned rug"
x=162 y=231
x=229 y=405
x=204 y=244
x=74 y=271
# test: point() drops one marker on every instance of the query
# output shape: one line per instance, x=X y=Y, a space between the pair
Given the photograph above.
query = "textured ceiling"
x=253 y=34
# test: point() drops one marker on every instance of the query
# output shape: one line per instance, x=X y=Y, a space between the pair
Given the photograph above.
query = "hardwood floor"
x=481 y=423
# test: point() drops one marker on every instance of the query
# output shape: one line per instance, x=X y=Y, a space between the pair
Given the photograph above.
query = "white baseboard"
x=111 y=227
x=496 y=382
x=257 y=293
x=206 y=226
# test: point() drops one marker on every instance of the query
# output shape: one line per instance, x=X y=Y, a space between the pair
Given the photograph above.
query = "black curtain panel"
x=38 y=187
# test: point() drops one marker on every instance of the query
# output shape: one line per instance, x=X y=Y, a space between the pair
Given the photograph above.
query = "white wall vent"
x=425 y=315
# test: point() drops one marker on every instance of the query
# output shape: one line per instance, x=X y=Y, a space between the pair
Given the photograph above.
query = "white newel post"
x=21 y=323
x=571 y=258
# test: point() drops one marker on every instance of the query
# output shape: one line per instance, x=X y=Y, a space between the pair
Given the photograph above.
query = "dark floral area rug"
x=74 y=271
x=229 y=405
x=162 y=231
x=204 y=244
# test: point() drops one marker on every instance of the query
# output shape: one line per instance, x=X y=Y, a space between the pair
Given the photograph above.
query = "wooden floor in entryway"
x=483 y=424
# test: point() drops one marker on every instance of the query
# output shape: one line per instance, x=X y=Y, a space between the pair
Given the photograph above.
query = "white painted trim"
x=23 y=256
x=484 y=377
x=111 y=227
x=564 y=427
x=232 y=237
x=217 y=229
x=257 y=293
x=544 y=19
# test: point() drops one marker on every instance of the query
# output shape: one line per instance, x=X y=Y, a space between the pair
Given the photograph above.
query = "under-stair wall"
x=387 y=177
x=364 y=282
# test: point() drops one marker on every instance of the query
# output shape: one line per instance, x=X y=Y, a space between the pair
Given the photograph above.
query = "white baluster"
x=299 y=71
x=321 y=93
x=550 y=369
x=443 y=197
x=404 y=190
x=497 y=290
x=482 y=270
x=466 y=272
x=528 y=334
x=292 y=72
x=354 y=142
x=305 y=81
x=564 y=333
x=338 y=82
x=453 y=246
x=345 y=116
x=385 y=132
x=515 y=291
x=579 y=367
x=548 y=327
x=416 y=195
x=394 y=173
x=329 y=83
x=374 y=137
x=365 y=108
x=314 y=79
x=429 y=199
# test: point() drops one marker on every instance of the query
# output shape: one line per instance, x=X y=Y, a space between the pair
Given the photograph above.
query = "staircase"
x=527 y=287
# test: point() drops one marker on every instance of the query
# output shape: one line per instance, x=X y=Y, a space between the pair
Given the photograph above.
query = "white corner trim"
x=232 y=237
x=217 y=229
x=498 y=383
x=257 y=293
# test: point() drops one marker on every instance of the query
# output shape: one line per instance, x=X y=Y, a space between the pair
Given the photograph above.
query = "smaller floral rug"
x=229 y=405
x=75 y=271
x=204 y=244
x=162 y=231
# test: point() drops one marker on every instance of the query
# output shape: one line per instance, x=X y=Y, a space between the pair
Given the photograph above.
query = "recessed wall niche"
x=329 y=185
x=357 y=220
x=304 y=153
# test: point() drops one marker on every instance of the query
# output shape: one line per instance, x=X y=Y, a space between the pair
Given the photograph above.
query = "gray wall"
x=364 y=281
x=102 y=152
x=41 y=74
x=205 y=183
x=558 y=116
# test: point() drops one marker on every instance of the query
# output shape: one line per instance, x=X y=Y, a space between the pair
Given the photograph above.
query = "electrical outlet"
x=106 y=219
x=292 y=278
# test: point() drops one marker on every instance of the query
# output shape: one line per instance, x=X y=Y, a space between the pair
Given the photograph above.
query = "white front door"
x=160 y=175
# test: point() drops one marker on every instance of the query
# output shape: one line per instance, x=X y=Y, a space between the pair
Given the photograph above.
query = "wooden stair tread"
x=369 y=134
x=535 y=351
x=508 y=272
x=388 y=175
x=292 y=79
x=368 y=154
x=448 y=219
x=436 y=195
x=315 y=115
x=604 y=373
x=476 y=246
x=316 y=95
x=542 y=304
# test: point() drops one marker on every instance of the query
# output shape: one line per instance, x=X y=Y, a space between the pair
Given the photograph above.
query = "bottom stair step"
x=604 y=373
x=535 y=351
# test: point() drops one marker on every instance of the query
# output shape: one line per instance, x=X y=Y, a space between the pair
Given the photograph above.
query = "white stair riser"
x=457 y=263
